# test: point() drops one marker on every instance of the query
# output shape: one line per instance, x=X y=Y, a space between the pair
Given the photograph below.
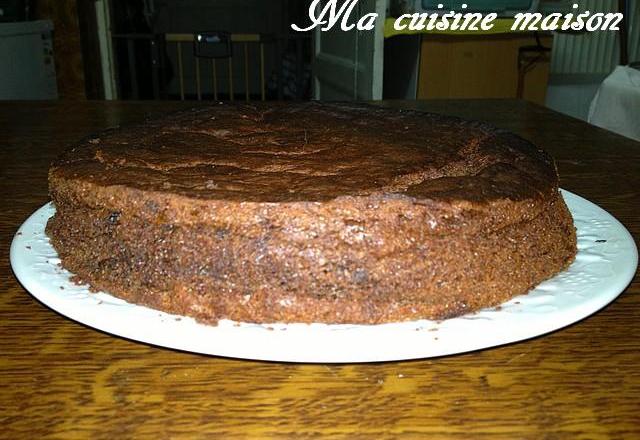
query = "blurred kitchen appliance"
x=27 y=70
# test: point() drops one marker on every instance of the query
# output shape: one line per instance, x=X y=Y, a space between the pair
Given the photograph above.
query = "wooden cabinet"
x=482 y=66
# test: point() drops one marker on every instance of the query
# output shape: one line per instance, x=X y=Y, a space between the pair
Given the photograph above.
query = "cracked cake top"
x=312 y=152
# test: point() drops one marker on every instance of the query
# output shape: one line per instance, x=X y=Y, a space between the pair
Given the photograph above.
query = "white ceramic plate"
x=606 y=262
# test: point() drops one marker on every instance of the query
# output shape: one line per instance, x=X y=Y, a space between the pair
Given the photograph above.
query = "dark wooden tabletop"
x=61 y=379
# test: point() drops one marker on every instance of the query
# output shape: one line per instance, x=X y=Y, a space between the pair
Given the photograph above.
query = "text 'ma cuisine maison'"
x=330 y=14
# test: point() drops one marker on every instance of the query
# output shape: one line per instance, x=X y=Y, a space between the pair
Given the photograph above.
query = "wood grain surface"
x=59 y=379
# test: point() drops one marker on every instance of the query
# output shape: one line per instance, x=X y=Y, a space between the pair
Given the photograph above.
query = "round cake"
x=310 y=212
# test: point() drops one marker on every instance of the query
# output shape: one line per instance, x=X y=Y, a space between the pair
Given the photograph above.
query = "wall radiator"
x=595 y=53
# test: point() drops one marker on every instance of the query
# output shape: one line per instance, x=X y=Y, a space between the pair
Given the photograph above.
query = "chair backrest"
x=245 y=40
x=242 y=67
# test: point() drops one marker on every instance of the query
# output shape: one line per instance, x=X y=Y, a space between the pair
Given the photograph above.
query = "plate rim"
x=265 y=352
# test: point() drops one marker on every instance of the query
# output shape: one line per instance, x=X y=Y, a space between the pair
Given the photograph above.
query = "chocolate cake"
x=310 y=212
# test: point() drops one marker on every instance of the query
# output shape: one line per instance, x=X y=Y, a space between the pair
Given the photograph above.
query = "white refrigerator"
x=27 y=68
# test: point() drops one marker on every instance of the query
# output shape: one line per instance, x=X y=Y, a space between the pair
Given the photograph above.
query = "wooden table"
x=60 y=379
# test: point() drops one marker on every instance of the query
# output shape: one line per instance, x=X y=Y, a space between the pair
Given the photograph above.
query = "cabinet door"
x=347 y=65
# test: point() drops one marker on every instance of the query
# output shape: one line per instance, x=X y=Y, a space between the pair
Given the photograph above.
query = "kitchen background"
x=245 y=50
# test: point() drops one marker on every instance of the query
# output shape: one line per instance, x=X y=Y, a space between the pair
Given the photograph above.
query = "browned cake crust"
x=310 y=212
